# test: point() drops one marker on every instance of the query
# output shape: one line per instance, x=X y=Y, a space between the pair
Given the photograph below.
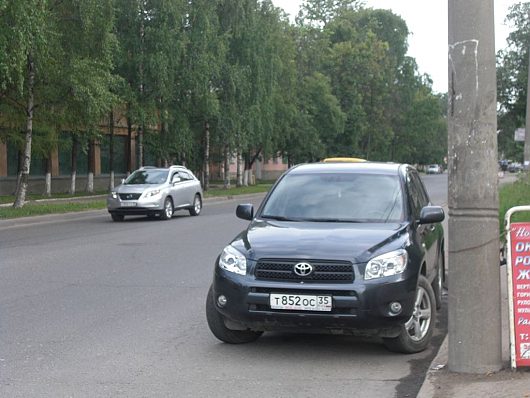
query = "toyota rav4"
x=353 y=248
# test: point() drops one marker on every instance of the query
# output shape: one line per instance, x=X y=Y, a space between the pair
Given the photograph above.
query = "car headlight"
x=233 y=260
x=152 y=193
x=114 y=195
x=388 y=264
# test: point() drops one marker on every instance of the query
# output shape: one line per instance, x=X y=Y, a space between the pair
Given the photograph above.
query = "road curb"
x=429 y=388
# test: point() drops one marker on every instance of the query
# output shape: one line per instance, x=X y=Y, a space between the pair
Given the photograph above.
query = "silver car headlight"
x=232 y=260
x=152 y=193
x=388 y=264
x=114 y=195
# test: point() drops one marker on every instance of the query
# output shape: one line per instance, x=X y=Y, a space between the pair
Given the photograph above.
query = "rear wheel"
x=197 y=206
x=416 y=333
x=117 y=217
x=167 y=213
x=219 y=329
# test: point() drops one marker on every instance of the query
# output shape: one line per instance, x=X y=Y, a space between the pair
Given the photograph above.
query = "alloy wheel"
x=418 y=325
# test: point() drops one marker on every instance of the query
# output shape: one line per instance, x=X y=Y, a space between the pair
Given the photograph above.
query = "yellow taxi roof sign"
x=343 y=160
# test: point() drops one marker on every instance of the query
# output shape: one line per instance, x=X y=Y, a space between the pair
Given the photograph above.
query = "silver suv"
x=155 y=191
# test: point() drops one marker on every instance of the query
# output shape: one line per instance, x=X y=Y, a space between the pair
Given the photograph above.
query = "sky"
x=428 y=27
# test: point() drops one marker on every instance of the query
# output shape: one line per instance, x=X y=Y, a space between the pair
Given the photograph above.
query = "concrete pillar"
x=526 y=160
x=474 y=277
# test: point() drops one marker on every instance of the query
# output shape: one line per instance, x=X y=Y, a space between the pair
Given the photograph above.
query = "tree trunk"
x=129 y=144
x=111 y=150
x=239 y=178
x=23 y=184
x=206 y=156
x=91 y=166
x=73 y=164
x=48 y=179
x=226 y=167
x=20 y=165
x=140 y=147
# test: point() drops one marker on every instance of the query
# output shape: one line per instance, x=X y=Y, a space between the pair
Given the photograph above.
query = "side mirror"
x=246 y=211
x=122 y=180
x=175 y=179
x=431 y=215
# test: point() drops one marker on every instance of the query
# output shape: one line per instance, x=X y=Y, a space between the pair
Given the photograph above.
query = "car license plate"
x=128 y=204
x=299 y=302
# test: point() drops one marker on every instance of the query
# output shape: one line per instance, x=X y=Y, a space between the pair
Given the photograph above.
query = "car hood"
x=137 y=188
x=356 y=242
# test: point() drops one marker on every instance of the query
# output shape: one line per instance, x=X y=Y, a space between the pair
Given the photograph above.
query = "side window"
x=184 y=176
x=414 y=196
x=175 y=174
x=422 y=193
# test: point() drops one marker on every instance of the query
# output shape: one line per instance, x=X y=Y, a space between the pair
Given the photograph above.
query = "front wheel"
x=197 y=206
x=117 y=217
x=219 y=329
x=416 y=333
x=167 y=213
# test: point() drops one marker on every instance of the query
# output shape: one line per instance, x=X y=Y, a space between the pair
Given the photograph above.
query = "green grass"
x=516 y=194
x=36 y=209
x=11 y=198
x=258 y=188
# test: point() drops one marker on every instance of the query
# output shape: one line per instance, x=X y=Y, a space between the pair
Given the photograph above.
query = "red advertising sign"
x=520 y=270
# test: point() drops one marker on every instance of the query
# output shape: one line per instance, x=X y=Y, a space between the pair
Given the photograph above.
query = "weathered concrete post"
x=526 y=163
x=474 y=280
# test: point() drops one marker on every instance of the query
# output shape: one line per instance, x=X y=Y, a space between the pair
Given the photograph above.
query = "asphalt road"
x=92 y=308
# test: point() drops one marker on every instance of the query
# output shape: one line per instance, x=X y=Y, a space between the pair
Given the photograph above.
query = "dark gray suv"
x=334 y=247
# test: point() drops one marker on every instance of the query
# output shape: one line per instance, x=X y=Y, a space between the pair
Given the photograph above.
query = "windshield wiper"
x=329 y=220
x=278 y=218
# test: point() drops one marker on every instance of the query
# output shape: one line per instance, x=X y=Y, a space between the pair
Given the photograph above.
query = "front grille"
x=130 y=196
x=324 y=271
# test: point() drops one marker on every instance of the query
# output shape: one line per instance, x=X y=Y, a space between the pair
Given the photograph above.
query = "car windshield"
x=147 y=177
x=345 y=197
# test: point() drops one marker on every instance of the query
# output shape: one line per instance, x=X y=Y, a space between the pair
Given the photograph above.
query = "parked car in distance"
x=155 y=192
x=353 y=248
x=433 y=169
x=515 y=167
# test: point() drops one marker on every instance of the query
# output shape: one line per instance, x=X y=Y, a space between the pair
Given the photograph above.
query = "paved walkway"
x=441 y=383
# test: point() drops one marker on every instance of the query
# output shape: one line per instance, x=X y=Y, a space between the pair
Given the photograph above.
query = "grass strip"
x=516 y=194
x=38 y=209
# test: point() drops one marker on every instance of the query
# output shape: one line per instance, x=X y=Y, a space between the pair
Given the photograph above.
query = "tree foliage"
x=512 y=78
x=338 y=82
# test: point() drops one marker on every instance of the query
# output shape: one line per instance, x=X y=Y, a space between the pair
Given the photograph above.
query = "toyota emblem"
x=303 y=269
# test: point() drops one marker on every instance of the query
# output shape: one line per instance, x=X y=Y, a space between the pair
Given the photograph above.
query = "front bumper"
x=361 y=307
x=141 y=206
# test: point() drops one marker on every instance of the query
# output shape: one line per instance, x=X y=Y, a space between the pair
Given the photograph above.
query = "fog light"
x=221 y=301
x=395 y=308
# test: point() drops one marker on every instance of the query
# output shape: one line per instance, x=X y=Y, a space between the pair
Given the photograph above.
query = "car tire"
x=218 y=328
x=117 y=217
x=195 y=210
x=416 y=333
x=437 y=284
x=167 y=212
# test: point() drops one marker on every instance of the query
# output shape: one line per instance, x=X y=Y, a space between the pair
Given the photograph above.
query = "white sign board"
x=519 y=134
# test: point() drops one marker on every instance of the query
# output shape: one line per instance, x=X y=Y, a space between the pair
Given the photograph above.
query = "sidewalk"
x=441 y=383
